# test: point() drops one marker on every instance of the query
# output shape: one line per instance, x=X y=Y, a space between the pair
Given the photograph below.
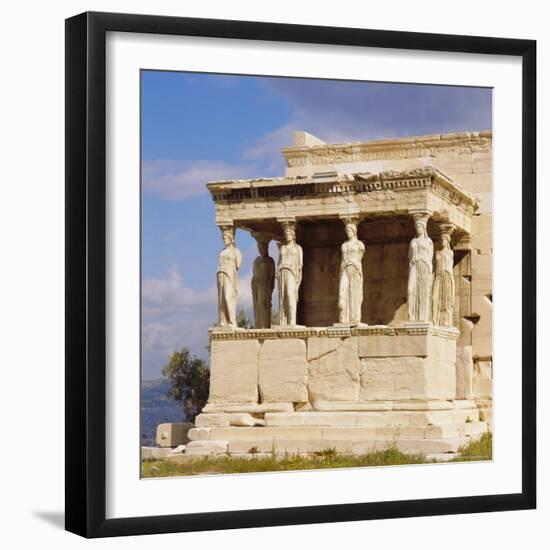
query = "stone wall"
x=308 y=366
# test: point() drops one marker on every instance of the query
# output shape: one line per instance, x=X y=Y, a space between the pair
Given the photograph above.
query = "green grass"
x=477 y=450
x=481 y=449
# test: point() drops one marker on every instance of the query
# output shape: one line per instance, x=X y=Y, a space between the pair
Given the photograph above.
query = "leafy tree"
x=243 y=320
x=190 y=379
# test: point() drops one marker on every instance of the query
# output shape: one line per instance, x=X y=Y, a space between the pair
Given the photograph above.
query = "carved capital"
x=446 y=228
x=288 y=224
x=346 y=219
x=421 y=214
x=227 y=229
x=261 y=237
x=287 y=221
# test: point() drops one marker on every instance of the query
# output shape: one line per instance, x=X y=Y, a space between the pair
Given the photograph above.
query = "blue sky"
x=200 y=127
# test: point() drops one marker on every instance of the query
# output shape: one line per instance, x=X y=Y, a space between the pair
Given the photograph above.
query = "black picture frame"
x=86 y=273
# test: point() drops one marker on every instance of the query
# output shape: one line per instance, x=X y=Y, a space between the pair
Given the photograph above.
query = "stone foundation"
x=354 y=389
x=412 y=426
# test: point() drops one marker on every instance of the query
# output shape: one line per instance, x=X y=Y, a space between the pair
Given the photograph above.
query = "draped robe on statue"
x=229 y=262
x=262 y=289
x=289 y=275
x=350 y=292
x=444 y=288
x=420 y=278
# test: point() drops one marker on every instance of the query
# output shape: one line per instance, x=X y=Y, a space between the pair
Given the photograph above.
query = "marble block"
x=282 y=371
x=234 y=371
x=333 y=369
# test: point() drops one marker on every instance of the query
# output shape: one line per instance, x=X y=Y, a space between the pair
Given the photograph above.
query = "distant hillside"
x=156 y=408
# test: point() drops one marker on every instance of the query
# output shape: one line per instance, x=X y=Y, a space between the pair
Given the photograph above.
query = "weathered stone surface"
x=329 y=419
x=285 y=419
x=283 y=371
x=353 y=406
x=477 y=183
x=252 y=408
x=464 y=404
x=483 y=379
x=155 y=453
x=442 y=349
x=482 y=337
x=388 y=378
x=333 y=369
x=234 y=371
x=464 y=372
x=227 y=419
x=196 y=434
x=173 y=434
x=445 y=431
x=392 y=346
x=308 y=446
x=206 y=447
x=482 y=163
x=351 y=433
x=413 y=446
x=390 y=418
x=267 y=433
x=440 y=378
x=482 y=233
x=422 y=405
x=485 y=407
x=244 y=419
x=208 y=420
x=449 y=417
x=251 y=446
x=473 y=429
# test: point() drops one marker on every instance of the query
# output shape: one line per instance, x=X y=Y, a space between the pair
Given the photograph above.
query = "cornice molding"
x=331 y=332
x=331 y=184
x=381 y=149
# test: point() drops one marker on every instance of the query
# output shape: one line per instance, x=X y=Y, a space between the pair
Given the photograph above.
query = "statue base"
x=435 y=428
x=306 y=389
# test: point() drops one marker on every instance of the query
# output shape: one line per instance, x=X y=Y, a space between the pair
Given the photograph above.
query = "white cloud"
x=160 y=339
x=268 y=147
x=177 y=179
x=168 y=295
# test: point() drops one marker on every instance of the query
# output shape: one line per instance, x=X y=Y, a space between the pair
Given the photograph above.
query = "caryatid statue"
x=419 y=287
x=229 y=262
x=350 y=290
x=263 y=281
x=443 y=294
x=289 y=275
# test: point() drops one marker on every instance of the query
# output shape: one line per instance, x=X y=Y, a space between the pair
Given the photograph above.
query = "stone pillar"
x=419 y=288
x=263 y=281
x=443 y=291
x=350 y=289
x=289 y=273
x=229 y=262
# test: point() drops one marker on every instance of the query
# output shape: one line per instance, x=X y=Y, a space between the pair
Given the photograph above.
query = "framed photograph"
x=300 y=274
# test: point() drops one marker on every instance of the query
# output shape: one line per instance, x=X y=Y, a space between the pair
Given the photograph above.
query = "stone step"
x=344 y=433
x=310 y=446
x=372 y=418
x=405 y=405
x=210 y=447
